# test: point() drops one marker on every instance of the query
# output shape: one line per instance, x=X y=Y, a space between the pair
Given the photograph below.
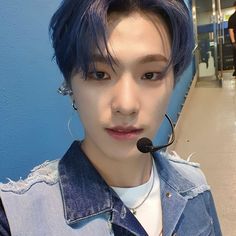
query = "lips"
x=124 y=133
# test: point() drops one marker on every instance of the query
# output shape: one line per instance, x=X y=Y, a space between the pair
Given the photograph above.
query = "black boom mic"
x=145 y=145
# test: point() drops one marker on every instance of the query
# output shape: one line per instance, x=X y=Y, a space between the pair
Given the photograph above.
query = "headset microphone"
x=145 y=145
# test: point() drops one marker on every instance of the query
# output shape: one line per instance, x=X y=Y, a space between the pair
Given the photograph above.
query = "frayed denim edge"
x=44 y=173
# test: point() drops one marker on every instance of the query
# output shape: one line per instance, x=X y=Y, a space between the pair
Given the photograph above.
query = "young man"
x=120 y=60
x=232 y=35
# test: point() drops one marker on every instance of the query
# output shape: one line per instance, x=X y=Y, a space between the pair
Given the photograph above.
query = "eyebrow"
x=141 y=60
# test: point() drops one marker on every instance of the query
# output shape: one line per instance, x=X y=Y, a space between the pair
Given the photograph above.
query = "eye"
x=152 y=76
x=98 y=75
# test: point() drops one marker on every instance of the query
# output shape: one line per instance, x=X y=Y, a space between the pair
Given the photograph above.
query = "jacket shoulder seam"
x=194 y=192
x=174 y=157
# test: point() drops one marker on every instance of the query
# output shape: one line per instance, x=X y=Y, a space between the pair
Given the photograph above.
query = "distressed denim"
x=69 y=197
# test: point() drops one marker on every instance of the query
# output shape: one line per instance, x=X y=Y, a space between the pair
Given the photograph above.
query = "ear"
x=70 y=93
x=73 y=101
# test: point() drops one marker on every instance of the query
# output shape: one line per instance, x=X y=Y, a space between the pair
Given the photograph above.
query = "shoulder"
x=45 y=173
x=233 y=16
x=188 y=169
x=232 y=20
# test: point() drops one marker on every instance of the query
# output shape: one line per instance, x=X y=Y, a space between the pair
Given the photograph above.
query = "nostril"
x=125 y=109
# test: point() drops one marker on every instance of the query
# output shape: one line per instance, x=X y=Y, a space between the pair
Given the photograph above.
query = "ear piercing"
x=74 y=106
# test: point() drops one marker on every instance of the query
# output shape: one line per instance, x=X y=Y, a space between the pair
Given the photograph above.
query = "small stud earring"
x=73 y=105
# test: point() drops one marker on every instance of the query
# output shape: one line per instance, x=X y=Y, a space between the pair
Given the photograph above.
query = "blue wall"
x=33 y=116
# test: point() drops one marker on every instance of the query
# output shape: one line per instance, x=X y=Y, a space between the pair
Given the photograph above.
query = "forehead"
x=139 y=31
x=115 y=18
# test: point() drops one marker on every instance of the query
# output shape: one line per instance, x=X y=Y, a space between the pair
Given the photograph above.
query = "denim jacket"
x=69 y=197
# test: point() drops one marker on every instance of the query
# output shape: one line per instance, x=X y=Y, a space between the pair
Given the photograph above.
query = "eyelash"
x=93 y=75
x=158 y=76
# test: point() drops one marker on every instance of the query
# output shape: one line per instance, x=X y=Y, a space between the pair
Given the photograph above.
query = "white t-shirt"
x=149 y=214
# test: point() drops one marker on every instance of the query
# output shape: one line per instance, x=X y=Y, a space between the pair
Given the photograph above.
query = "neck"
x=128 y=174
x=124 y=173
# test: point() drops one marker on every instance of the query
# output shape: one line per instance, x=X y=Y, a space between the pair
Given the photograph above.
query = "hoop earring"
x=73 y=105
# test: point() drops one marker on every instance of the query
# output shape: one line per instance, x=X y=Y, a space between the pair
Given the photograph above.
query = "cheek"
x=91 y=105
x=168 y=88
x=155 y=110
x=158 y=99
x=156 y=103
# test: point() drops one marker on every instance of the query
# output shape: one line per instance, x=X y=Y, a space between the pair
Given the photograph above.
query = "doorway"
x=214 y=55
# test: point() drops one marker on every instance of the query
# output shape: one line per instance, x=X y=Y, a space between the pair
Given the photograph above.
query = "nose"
x=125 y=100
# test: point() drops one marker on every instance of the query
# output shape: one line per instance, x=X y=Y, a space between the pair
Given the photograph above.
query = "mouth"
x=124 y=133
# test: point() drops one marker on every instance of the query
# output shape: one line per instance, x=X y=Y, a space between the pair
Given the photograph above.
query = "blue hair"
x=80 y=26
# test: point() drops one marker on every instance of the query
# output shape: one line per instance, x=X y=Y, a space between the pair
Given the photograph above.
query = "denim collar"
x=86 y=194
x=174 y=187
x=84 y=191
x=171 y=176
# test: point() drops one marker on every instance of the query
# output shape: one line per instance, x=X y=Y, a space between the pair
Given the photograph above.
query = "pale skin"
x=131 y=97
x=231 y=35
